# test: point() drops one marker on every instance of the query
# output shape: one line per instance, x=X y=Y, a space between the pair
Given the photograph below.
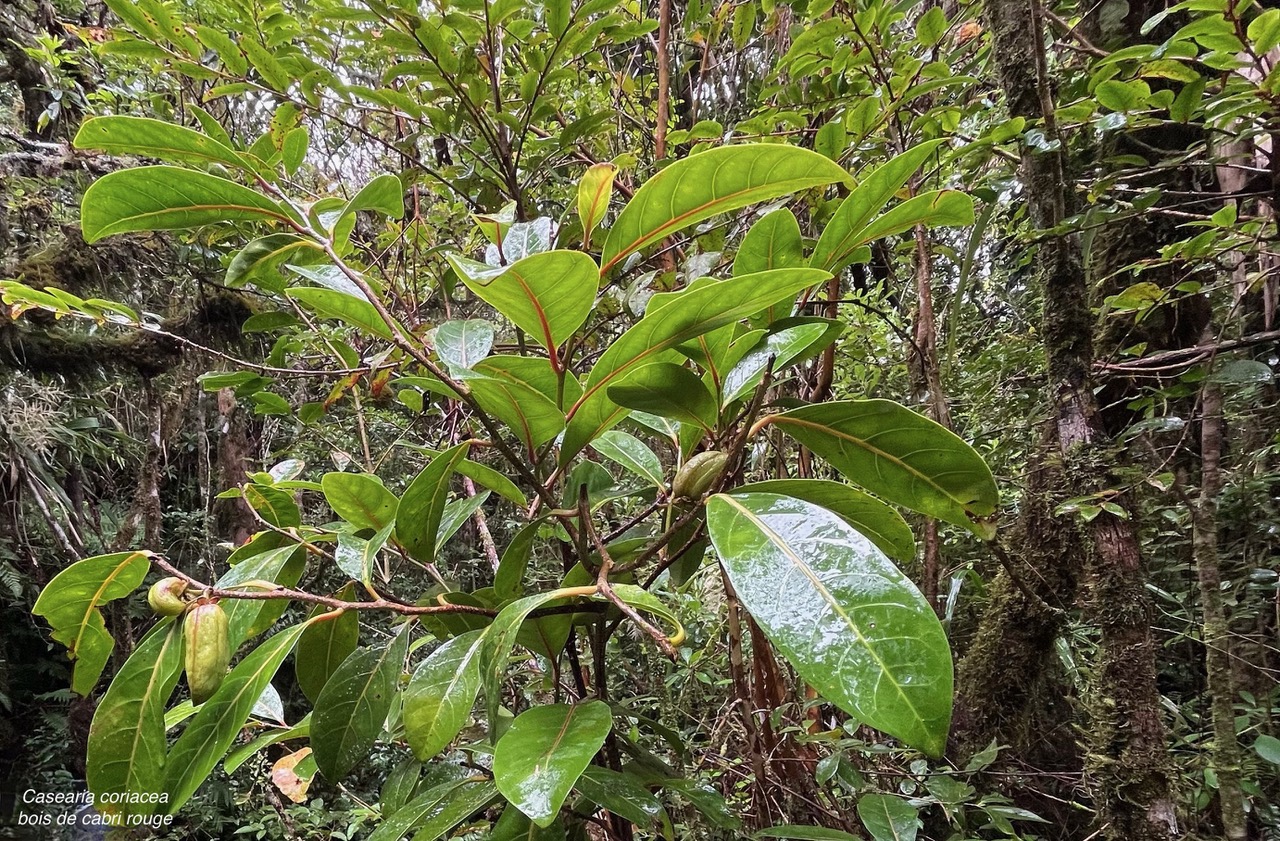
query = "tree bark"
x=1127 y=764
x=1225 y=754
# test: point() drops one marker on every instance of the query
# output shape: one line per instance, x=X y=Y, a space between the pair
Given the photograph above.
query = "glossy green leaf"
x=436 y=811
x=385 y=194
x=888 y=818
x=498 y=641
x=541 y=756
x=783 y=347
x=620 y=793
x=561 y=389
x=841 y=237
x=126 y=749
x=879 y=522
x=281 y=564
x=166 y=198
x=632 y=453
x=352 y=708
x=669 y=390
x=710 y=183
x=324 y=646
x=457 y=512
x=357 y=556
x=262 y=260
x=422 y=506
x=70 y=605
x=338 y=305
x=594 y=191
x=215 y=727
x=275 y=506
x=901 y=456
x=530 y=414
x=933 y=209
x=150 y=138
x=773 y=242
x=853 y=626
x=547 y=295
x=483 y=475
x=441 y=694
x=360 y=498
x=463 y=343
x=697 y=312
x=1268 y=748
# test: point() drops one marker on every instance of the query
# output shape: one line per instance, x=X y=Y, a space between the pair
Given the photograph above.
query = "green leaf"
x=1122 y=96
x=934 y=209
x=529 y=413
x=541 y=756
x=901 y=456
x=841 y=237
x=166 y=198
x=667 y=390
x=261 y=260
x=888 y=818
x=275 y=736
x=457 y=512
x=70 y=605
x=385 y=194
x=508 y=579
x=931 y=26
x=353 y=706
x=805 y=833
x=436 y=811
x=784 y=347
x=853 y=626
x=149 y=138
x=692 y=314
x=512 y=825
x=356 y=555
x=216 y=725
x=632 y=453
x=496 y=645
x=273 y=505
x=1267 y=747
x=547 y=295
x=463 y=343
x=281 y=564
x=483 y=475
x=360 y=498
x=773 y=242
x=422 y=506
x=594 y=192
x=126 y=750
x=441 y=694
x=324 y=646
x=710 y=183
x=343 y=307
x=620 y=793
x=880 y=523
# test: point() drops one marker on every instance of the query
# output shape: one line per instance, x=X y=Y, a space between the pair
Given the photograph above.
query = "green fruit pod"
x=208 y=649
x=695 y=477
x=165 y=596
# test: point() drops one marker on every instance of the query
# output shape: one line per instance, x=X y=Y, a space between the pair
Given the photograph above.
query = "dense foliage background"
x=1102 y=331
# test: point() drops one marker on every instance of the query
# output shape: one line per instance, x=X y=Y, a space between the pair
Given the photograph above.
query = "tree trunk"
x=1217 y=640
x=1127 y=764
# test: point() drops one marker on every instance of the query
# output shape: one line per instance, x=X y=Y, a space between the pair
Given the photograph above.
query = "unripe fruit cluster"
x=205 y=631
x=694 y=478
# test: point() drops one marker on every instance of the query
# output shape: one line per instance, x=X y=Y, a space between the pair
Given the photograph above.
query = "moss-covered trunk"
x=1127 y=765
